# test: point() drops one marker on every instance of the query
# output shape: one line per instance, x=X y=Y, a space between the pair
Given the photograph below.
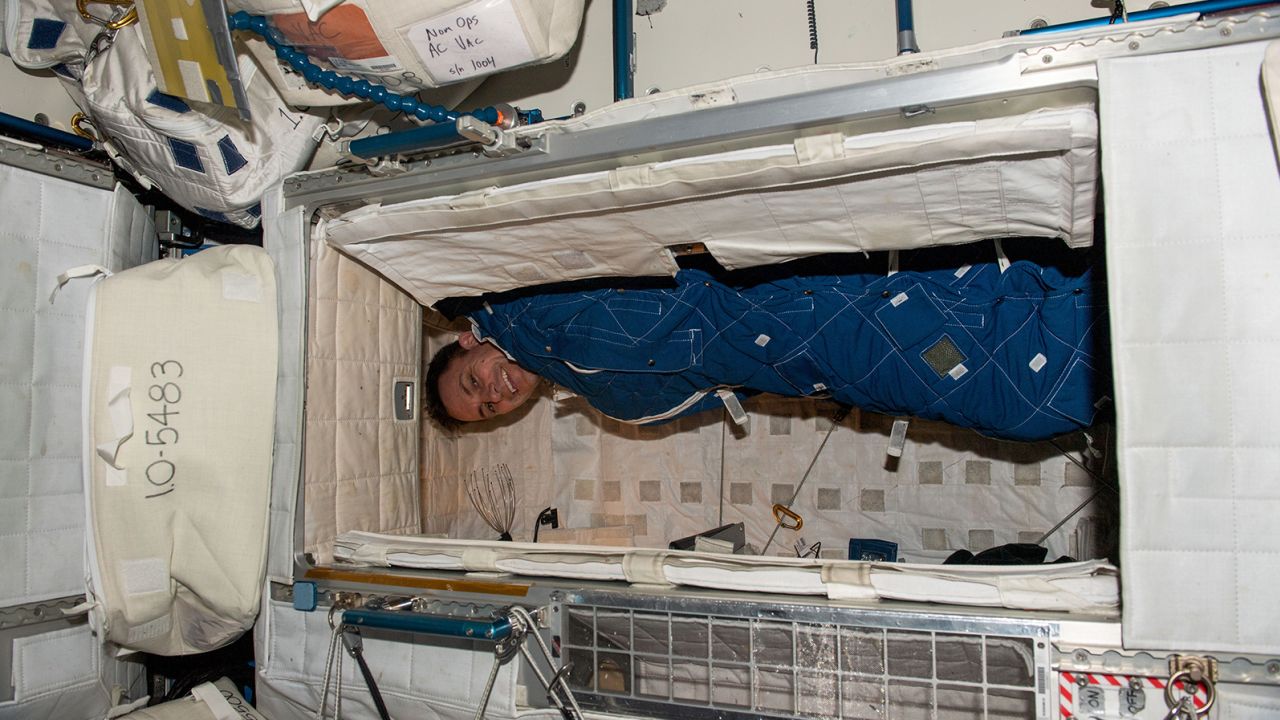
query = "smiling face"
x=480 y=382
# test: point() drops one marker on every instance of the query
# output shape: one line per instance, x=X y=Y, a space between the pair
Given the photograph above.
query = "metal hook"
x=130 y=17
x=782 y=513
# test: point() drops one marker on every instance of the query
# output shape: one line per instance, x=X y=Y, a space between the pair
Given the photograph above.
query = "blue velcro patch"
x=255 y=210
x=168 y=102
x=231 y=157
x=185 y=154
x=45 y=34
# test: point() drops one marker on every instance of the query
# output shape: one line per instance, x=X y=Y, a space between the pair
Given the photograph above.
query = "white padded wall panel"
x=360 y=463
x=1193 y=243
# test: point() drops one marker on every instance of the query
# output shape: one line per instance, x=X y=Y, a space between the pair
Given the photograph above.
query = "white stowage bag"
x=217 y=700
x=203 y=157
x=180 y=373
x=412 y=45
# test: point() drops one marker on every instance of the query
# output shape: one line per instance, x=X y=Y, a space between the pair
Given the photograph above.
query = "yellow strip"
x=374 y=577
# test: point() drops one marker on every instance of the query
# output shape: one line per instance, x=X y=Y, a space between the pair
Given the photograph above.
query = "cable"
x=813 y=30
x=836 y=419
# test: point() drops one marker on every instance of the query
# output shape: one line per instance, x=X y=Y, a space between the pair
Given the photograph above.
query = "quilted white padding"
x=1193 y=247
x=49 y=225
x=360 y=467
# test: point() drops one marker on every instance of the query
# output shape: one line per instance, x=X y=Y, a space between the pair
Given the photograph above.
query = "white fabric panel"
x=284 y=237
x=49 y=225
x=360 y=470
x=1029 y=175
x=1193 y=245
x=1247 y=702
x=430 y=678
x=1088 y=587
x=177 y=450
x=952 y=488
x=58 y=674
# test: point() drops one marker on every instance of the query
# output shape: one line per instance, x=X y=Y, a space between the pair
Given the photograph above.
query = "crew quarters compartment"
x=1143 y=151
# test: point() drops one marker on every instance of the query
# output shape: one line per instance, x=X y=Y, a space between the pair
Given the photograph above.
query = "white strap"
x=79 y=271
x=644 y=566
x=480 y=559
x=121 y=710
x=893 y=263
x=211 y=696
x=733 y=405
x=1002 y=260
x=120 y=410
x=819 y=148
x=849 y=581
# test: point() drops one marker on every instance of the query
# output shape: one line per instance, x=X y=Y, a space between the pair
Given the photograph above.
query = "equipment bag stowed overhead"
x=177 y=454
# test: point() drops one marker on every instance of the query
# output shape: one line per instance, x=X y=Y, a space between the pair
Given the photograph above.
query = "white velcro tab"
x=374 y=554
x=146 y=575
x=733 y=405
x=241 y=286
x=1002 y=260
x=644 y=566
x=480 y=559
x=470 y=200
x=849 y=581
x=820 y=148
x=897 y=437
x=631 y=178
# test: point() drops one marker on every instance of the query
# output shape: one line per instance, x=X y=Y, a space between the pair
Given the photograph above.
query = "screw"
x=1226 y=32
x=1133 y=45
x=1080 y=657
x=579 y=107
x=1273 y=667
x=1046 y=59
x=1038 y=23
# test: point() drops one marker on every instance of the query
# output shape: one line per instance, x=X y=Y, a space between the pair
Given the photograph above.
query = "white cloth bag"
x=412 y=45
x=180 y=375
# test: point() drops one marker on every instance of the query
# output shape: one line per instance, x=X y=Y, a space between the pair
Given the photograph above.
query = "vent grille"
x=675 y=665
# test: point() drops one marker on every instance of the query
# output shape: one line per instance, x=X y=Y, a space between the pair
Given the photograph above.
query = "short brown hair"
x=434 y=403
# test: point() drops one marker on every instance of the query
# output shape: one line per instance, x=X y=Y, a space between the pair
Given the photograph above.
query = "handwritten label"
x=473 y=40
x=161 y=433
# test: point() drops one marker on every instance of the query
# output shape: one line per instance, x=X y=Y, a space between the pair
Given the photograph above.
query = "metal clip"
x=130 y=17
x=782 y=513
x=1191 y=671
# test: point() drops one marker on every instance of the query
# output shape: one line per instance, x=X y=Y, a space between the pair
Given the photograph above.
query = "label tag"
x=958 y=371
x=1038 y=362
x=897 y=437
x=734 y=406
x=343 y=36
x=898 y=299
x=473 y=40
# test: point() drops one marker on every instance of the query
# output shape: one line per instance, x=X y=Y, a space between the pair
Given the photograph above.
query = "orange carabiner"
x=125 y=20
x=782 y=514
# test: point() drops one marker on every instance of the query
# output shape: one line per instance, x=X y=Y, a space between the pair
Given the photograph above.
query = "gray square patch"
x=781 y=493
x=977 y=472
x=650 y=491
x=943 y=356
x=740 y=493
x=638 y=523
x=929 y=472
x=1074 y=476
x=779 y=424
x=829 y=498
x=871 y=500
x=612 y=491
x=584 y=489
x=1029 y=536
x=980 y=540
x=690 y=492
x=934 y=539
x=1027 y=474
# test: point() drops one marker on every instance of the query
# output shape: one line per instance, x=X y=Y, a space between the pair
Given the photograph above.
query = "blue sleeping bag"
x=1019 y=354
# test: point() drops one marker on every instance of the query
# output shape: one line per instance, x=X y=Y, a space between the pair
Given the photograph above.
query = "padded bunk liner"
x=1086 y=587
x=50 y=225
x=360 y=470
x=1027 y=175
x=1193 y=247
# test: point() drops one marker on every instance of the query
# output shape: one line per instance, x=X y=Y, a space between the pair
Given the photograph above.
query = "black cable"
x=813 y=30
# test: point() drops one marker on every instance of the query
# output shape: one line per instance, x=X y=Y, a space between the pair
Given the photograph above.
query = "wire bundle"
x=494 y=497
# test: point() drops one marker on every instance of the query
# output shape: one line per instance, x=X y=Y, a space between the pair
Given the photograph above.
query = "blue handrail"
x=43 y=133
x=906 y=28
x=1206 y=6
x=622 y=50
x=421 y=623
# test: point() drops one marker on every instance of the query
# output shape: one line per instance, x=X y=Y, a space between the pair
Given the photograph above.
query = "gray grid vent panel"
x=656 y=663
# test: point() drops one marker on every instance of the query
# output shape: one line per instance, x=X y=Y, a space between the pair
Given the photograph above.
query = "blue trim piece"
x=254 y=210
x=424 y=624
x=906 y=18
x=185 y=154
x=43 y=134
x=212 y=215
x=231 y=157
x=417 y=139
x=304 y=596
x=623 y=32
x=1206 y=6
x=45 y=34
x=168 y=102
